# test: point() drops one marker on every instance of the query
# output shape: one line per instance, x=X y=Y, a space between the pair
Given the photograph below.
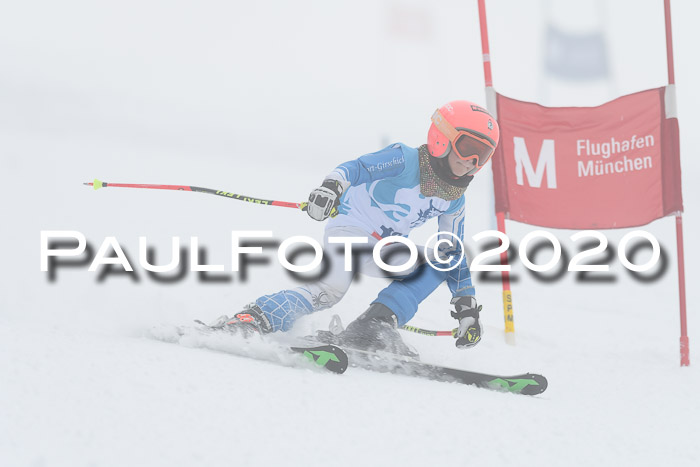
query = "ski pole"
x=97 y=184
x=428 y=332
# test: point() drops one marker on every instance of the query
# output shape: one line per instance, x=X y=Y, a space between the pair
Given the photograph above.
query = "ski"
x=330 y=357
x=527 y=384
x=337 y=358
x=326 y=356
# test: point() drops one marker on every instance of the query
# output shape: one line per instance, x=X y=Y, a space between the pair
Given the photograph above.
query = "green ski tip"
x=96 y=184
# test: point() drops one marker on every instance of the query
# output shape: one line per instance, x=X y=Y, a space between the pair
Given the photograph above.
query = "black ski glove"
x=469 y=330
x=324 y=200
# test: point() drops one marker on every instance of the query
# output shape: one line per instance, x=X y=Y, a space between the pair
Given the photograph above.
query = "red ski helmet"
x=466 y=128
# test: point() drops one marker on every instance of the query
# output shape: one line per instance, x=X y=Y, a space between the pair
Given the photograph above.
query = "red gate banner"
x=612 y=166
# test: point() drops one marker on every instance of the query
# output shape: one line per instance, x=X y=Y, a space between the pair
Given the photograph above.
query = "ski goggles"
x=468 y=145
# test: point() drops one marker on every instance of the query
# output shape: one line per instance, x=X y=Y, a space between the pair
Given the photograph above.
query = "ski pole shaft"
x=97 y=184
x=428 y=332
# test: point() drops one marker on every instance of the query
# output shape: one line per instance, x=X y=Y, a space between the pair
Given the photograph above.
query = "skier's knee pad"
x=323 y=296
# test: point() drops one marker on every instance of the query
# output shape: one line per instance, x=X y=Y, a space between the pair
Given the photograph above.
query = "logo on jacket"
x=424 y=215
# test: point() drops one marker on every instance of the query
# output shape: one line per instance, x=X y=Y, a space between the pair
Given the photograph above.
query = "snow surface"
x=263 y=99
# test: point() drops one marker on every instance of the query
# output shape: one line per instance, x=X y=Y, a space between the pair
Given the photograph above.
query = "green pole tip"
x=96 y=184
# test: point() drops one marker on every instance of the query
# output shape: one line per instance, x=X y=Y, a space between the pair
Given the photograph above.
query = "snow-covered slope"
x=235 y=98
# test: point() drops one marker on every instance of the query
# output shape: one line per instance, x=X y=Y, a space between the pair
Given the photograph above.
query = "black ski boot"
x=247 y=323
x=374 y=330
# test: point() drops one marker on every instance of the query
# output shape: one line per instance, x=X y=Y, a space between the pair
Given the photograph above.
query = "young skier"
x=383 y=194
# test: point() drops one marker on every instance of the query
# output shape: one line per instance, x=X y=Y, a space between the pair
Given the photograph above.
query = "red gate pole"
x=485 y=44
x=685 y=343
x=685 y=349
x=500 y=216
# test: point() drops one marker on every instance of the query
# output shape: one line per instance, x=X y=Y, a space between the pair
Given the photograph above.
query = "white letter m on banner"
x=545 y=163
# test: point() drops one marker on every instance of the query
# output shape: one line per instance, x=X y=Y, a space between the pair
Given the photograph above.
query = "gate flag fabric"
x=612 y=166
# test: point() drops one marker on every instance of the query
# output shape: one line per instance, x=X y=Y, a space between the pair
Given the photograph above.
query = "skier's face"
x=458 y=166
